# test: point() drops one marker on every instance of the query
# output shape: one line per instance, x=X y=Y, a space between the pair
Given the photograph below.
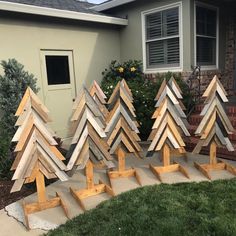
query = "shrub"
x=13 y=84
x=144 y=90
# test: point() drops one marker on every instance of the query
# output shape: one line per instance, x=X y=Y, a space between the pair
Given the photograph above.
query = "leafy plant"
x=144 y=90
x=13 y=84
x=131 y=71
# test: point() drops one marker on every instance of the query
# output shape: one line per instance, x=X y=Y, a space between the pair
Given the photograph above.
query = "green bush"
x=13 y=84
x=144 y=90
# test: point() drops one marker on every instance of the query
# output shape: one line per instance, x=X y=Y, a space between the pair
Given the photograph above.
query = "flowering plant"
x=143 y=90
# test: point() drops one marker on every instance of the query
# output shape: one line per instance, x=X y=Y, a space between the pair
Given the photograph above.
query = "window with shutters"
x=206 y=36
x=162 y=38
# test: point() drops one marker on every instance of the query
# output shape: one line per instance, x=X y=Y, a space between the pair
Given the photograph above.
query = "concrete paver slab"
x=51 y=218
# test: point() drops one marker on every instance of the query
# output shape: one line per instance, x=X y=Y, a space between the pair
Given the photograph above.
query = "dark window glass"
x=57 y=70
x=206 y=21
x=206 y=51
x=206 y=27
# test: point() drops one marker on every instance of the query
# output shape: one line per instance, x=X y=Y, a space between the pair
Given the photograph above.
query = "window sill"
x=162 y=70
x=204 y=68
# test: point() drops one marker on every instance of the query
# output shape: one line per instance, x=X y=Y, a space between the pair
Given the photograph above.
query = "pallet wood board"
x=214 y=127
x=168 y=128
x=36 y=154
x=88 y=146
x=122 y=129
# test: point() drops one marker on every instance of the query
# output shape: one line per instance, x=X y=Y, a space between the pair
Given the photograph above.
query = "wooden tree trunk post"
x=213 y=160
x=89 y=175
x=41 y=187
x=166 y=155
x=121 y=159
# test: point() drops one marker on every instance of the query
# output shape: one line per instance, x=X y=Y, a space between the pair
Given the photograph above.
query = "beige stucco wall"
x=93 y=45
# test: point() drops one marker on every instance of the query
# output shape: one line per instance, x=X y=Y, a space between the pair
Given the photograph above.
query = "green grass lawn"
x=207 y=208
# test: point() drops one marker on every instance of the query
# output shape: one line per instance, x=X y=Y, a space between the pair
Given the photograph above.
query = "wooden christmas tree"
x=122 y=129
x=36 y=153
x=214 y=128
x=88 y=146
x=99 y=97
x=174 y=87
x=167 y=130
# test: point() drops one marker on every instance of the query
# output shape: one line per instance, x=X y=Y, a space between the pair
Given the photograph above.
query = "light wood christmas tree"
x=122 y=130
x=214 y=128
x=174 y=87
x=167 y=130
x=88 y=146
x=99 y=97
x=36 y=154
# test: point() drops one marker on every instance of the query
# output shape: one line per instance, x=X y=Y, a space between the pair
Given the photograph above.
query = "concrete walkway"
x=48 y=219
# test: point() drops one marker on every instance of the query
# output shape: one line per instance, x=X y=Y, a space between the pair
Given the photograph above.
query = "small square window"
x=57 y=70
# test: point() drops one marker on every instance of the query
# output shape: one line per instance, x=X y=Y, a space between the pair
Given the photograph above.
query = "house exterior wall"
x=94 y=46
x=230 y=58
x=131 y=36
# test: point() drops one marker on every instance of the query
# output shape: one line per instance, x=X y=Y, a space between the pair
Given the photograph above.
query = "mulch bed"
x=7 y=198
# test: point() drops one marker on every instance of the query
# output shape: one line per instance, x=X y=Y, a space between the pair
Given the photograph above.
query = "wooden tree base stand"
x=42 y=203
x=167 y=167
x=214 y=164
x=206 y=168
x=122 y=172
x=91 y=189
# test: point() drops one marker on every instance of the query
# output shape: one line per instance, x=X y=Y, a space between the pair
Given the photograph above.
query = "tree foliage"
x=13 y=84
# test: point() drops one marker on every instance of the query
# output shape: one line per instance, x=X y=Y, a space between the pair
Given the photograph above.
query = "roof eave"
x=44 y=11
x=109 y=5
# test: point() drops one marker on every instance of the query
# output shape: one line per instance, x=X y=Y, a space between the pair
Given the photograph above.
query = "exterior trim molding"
x=111 y=4
x=51 y=12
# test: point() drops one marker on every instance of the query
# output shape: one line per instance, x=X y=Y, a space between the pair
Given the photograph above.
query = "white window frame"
x=204 y=5
x=164 y=69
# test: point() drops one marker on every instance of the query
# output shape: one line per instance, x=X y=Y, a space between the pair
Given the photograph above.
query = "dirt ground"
x=7 y=198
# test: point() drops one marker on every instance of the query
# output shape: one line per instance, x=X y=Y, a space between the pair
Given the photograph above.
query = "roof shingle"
x=69 y=5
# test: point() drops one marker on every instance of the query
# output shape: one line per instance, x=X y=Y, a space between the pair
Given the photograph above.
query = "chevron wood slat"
x=168 y=128
x=36 y=154
x=88 y=146
x=122 y=130
x=214 y=128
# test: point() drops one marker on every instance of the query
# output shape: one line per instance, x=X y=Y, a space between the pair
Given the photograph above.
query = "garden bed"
x=7 y=198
